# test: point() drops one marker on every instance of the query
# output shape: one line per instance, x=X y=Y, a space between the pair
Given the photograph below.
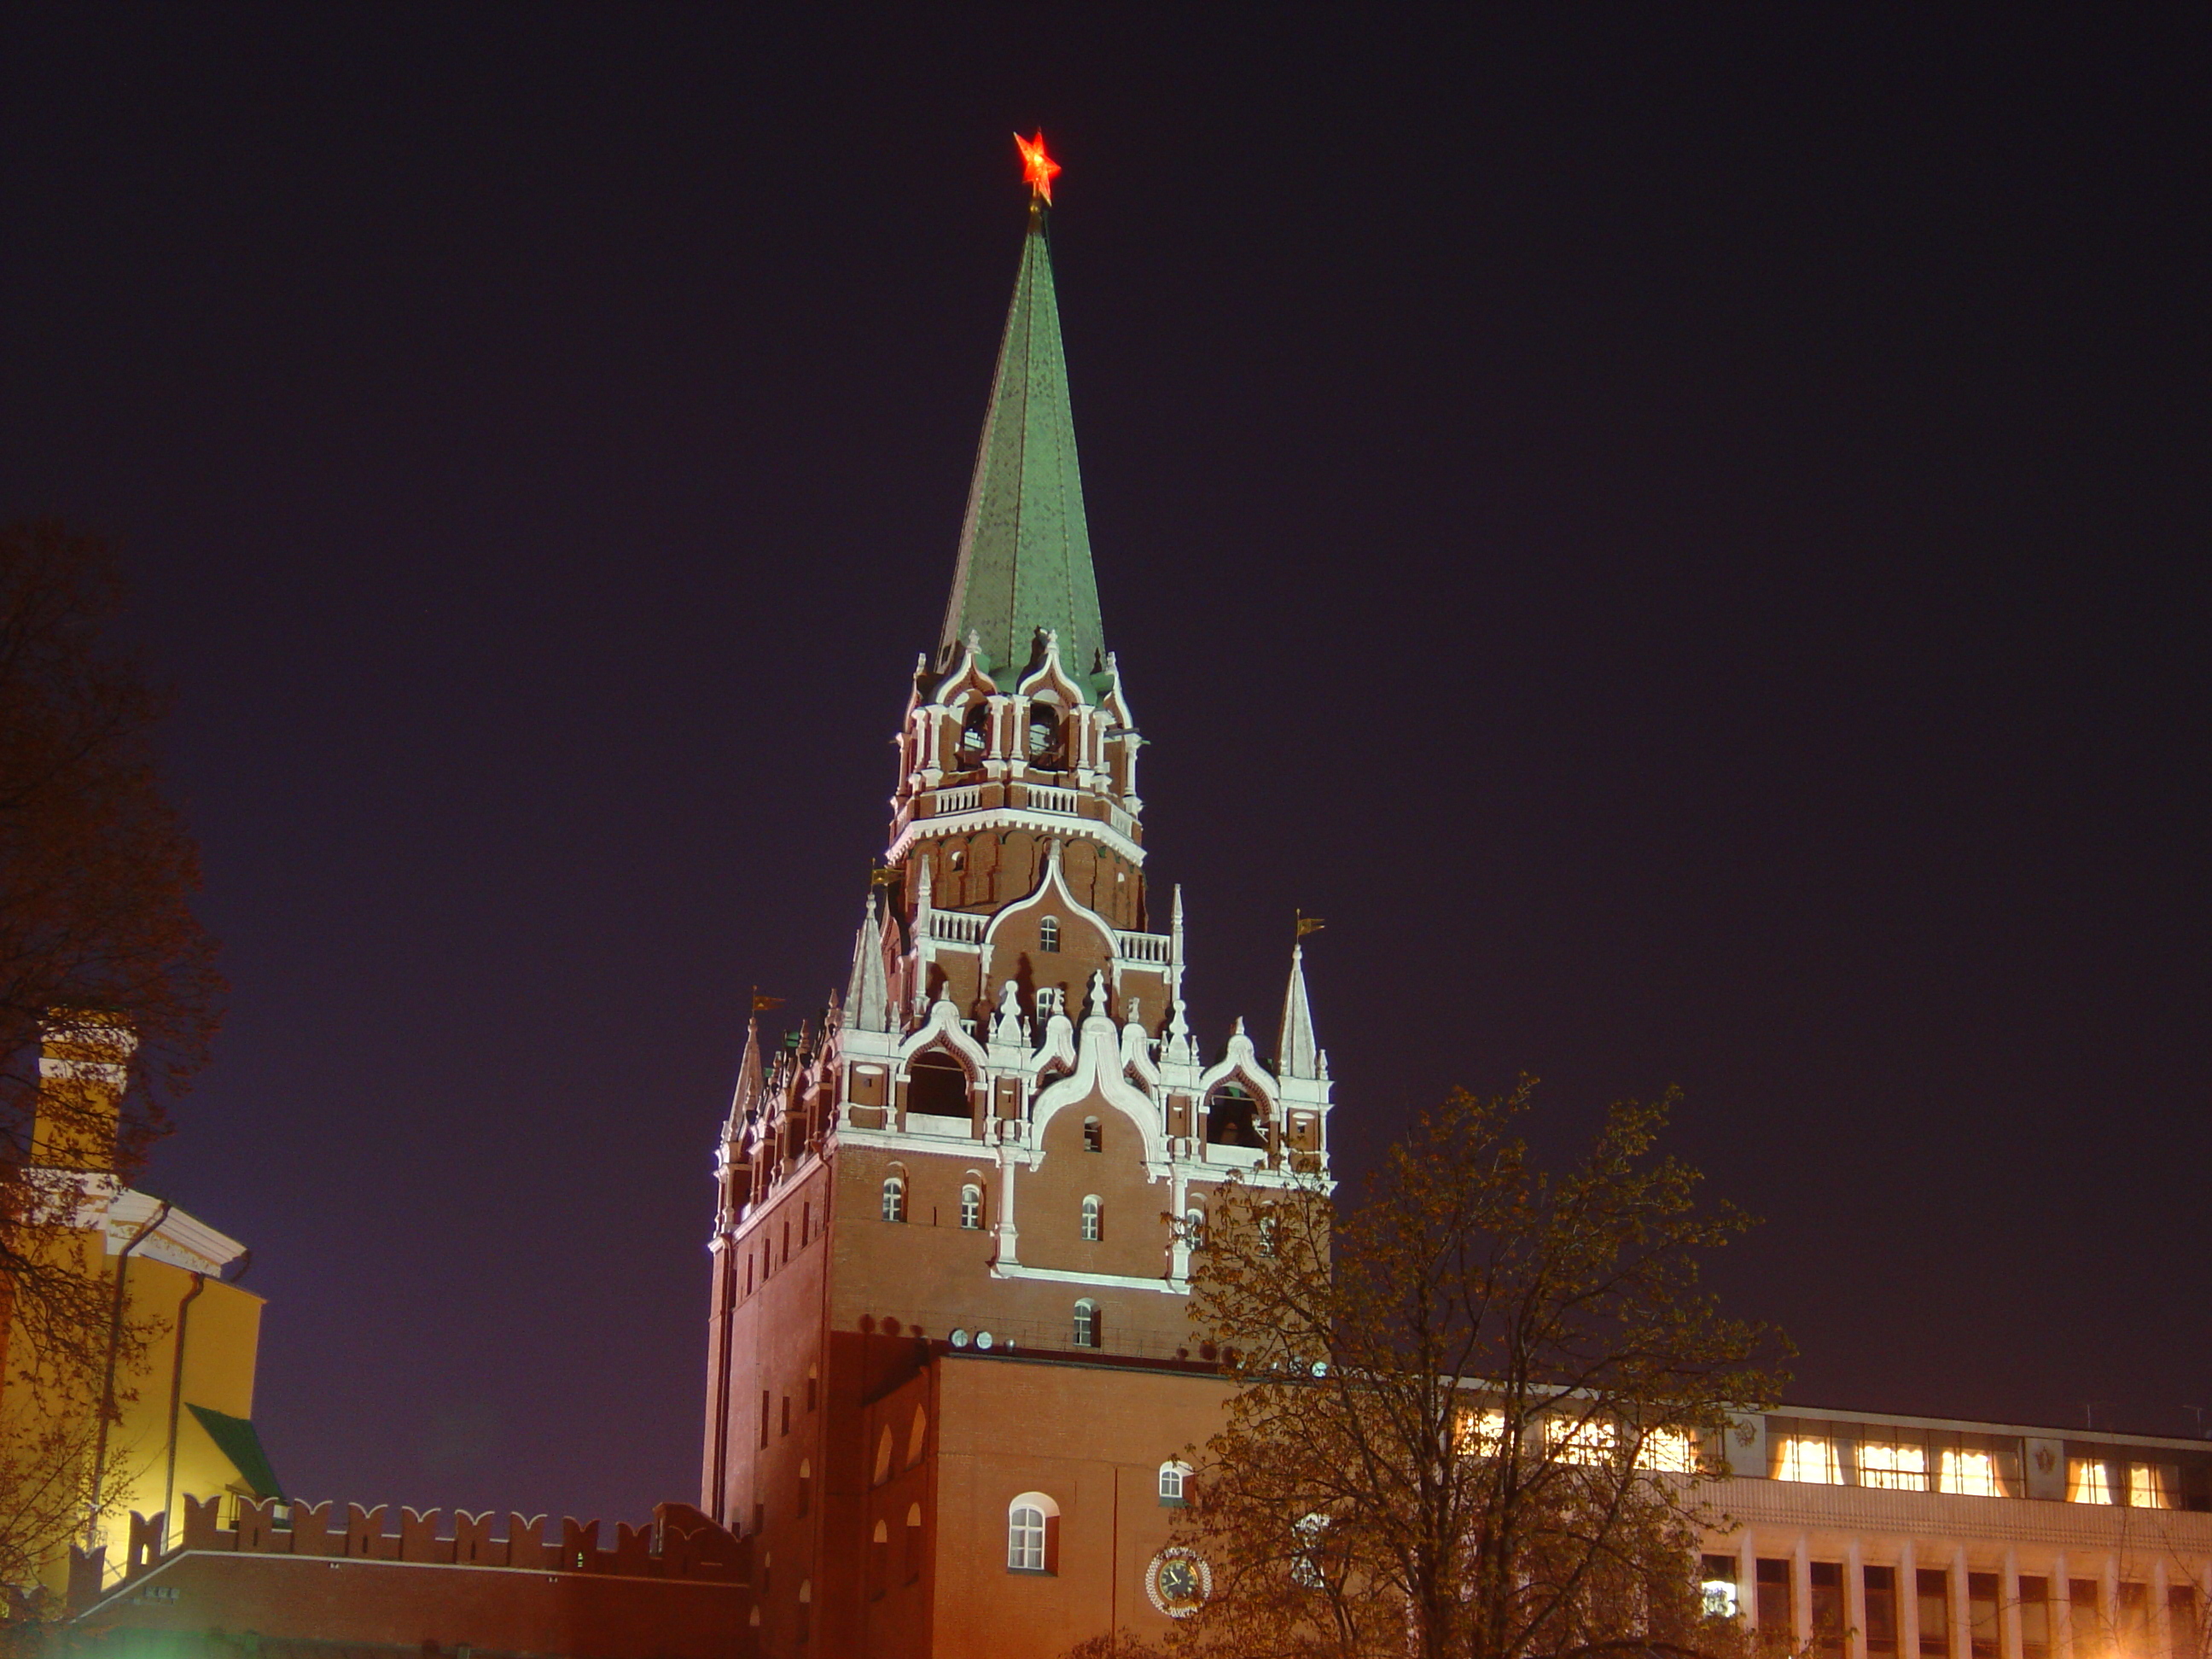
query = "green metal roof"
x=235 y=1437
x=1024 y=547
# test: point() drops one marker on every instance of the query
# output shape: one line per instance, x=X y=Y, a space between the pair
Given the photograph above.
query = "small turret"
x=1296 y=1052
x=867 y=995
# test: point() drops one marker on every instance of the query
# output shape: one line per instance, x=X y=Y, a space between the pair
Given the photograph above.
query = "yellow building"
x=176 y=1362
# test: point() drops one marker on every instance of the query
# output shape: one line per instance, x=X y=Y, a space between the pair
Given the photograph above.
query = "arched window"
x=1174 y=1473
x=1049 y=936
x=937 y=1085
x=971 y=1206
x=1048 y=735
x=813 y=1386
x=1089 y=1327
x=805 y=1484
x=1093 y=1219
x=1032 y=1534
x=916 y=1437
x=1193 y=1228
x=975 y=736
x=1094 y=1135
x=879 y=1560
x=1271 y=1228
x=805 y=1608
x=1232 y=1116
x=894 y=1198
x=883 y=1456
x=913 y=1542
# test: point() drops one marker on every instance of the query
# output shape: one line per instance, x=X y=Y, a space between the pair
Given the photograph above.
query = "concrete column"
x=2062 y=1608
x=1962 y=1628
x=1178 y=1201
x=1855 y=1613
x=1746 y=1579
x=1009 y=1240
x=1908 y=1602
x=2161 y=1622
x=2008 y=1606
x=1801 y=1590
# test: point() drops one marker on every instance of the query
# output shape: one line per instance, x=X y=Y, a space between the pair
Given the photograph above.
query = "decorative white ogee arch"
x=1053 y=896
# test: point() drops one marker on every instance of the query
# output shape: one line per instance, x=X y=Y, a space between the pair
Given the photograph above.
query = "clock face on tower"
x=1178 y=1582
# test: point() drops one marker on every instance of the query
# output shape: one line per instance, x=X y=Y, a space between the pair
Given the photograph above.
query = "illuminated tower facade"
x=950 y=1365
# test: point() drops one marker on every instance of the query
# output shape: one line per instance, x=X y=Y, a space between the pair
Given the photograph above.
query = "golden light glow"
x=1894 y=1468
x=2086 y=1481
x=1038 y=169
x=1480 y=1433
x=1590 y=1442
x=2146 y=1490
x=1969 y=1475
x=1668 y=1451
x=1805 y=1458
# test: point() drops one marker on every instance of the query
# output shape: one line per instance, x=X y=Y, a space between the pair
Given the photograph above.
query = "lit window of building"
x=1481 y=1433
x=1668 y=1451
x=2087 y=1480
x=1969 y=1475
x=1093 y=1220
x=1088 y=1326
x=1810 y=1458
x=894 y=1198
x=1588 y=1441
x=1173 y=1476
x=1717 y=1587
x=1049 y=936
x=1892 y=1468
x=2148 y=1487
x=971 y=1206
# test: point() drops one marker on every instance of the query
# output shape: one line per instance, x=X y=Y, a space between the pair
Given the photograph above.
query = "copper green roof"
x=1024 y=547
x=236 y=1438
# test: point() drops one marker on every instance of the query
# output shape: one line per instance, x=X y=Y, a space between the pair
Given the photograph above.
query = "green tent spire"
x=1024 y=547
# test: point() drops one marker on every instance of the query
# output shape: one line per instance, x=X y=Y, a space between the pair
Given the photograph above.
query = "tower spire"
x=1024 y=558
x=1296 y=1052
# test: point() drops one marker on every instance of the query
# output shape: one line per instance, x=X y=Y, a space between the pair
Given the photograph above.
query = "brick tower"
x=950 y=1370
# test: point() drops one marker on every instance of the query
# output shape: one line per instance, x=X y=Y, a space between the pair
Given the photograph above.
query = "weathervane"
x=1038 y=169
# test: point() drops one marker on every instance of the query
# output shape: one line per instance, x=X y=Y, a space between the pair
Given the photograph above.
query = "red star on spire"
x=1037 y=167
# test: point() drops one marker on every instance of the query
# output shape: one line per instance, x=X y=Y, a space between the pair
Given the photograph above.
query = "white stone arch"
x=942 y=1030
x=1052 y=895
x=1241 y=1065
x=1098 y=1076
x=1050 y=681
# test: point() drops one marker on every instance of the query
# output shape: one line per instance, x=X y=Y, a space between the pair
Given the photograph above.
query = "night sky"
x=1682 y=533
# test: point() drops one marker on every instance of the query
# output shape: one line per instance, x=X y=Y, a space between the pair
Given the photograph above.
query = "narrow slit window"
x=894 y=1198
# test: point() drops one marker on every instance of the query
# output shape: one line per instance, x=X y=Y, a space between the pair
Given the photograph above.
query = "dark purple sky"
x=1683 y=539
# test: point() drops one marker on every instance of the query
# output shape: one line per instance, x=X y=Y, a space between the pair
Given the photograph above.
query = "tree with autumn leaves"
x=1474 y=1412
x=101 y=957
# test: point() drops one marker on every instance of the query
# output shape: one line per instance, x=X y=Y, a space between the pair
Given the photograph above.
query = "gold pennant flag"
x=1309 y=924
x=762 y=1005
